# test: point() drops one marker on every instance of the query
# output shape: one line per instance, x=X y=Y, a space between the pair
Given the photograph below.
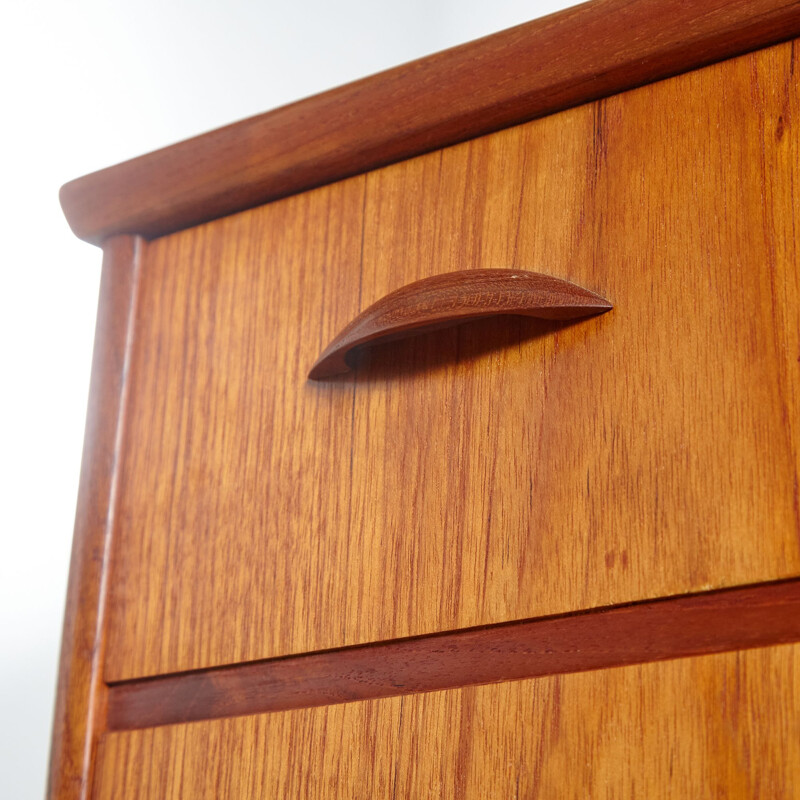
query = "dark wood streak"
x=452 y=298
x=731 y=619
x=584 y=53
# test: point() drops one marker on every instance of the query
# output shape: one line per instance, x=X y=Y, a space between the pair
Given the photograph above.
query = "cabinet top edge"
x=555 y=62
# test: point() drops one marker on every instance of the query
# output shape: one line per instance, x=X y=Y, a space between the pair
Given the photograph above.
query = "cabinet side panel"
x=80 y=692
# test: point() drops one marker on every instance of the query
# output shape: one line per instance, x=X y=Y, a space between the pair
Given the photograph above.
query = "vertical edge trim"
x=81 y=693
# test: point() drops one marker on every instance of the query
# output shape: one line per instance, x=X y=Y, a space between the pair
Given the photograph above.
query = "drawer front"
x=499 y=470
x=726 y=725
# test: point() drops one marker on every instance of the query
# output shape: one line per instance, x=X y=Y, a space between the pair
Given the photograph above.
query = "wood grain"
x=732 y=619
x=454 y=298
x=80 y=696
x=492 y=472
x=590 y=51
x=725 y=725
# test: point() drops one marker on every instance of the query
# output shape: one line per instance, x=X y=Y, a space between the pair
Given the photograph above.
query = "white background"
x=86 y=84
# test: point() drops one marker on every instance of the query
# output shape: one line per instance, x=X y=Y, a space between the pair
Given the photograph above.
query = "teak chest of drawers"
x=516 y=557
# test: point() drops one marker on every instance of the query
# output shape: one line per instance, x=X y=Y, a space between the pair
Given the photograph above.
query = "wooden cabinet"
x=591 y=497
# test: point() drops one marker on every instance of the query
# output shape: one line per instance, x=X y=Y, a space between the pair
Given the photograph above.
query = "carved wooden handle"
x=456 y=297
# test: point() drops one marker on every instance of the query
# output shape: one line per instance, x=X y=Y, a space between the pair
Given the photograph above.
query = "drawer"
x=725 y=725
x=499 y=470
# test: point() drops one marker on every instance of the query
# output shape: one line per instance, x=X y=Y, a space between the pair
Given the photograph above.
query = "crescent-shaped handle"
x=453 y=298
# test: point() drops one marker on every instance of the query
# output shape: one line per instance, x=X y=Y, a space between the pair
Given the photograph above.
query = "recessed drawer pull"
x=453 y=298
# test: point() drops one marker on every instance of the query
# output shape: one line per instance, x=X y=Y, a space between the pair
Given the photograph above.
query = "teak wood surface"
x=496 y=471
x=726 y=725
x=583 y=53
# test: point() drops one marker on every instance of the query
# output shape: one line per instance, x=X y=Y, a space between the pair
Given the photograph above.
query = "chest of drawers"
x=533 y=554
